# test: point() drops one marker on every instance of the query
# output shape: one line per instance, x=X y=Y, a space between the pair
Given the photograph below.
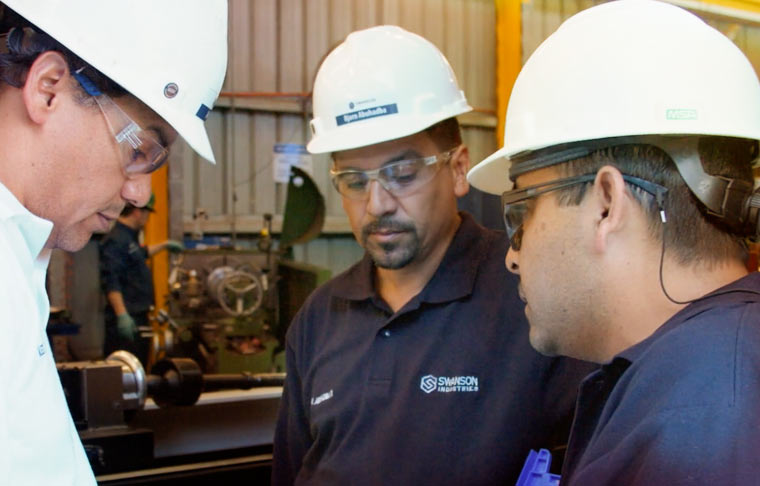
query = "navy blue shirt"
x=445 y=391
x=679 y=408
x=123 y=268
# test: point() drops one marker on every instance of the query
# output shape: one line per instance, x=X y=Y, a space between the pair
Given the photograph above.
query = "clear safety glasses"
x=142 y=152
x=515 y=203
x=398 y=178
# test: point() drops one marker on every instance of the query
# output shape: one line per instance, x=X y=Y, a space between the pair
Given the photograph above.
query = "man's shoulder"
x=695 y=387
x=338 y=285
x=490 y=235
x=487 y=250
x=709 y=335
x=481 y=243
x=716 y=349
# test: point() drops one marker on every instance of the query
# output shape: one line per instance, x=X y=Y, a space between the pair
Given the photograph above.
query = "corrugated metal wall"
x=275 y=49
x=542 y=17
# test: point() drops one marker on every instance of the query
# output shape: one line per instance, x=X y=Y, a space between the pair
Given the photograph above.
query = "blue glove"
x=126 y=327
x=174 y=246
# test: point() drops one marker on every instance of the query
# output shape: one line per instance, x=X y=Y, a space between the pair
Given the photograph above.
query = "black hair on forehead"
x=21 y=42
x=445 y=134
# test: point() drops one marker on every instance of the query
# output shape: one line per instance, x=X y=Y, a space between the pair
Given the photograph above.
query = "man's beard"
x=392 y=255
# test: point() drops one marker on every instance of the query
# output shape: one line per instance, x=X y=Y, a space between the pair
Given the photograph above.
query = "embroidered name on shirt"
x=321 y=398
x=449 y=384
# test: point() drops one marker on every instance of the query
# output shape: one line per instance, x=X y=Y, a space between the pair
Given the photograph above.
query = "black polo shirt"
x=681 y=407
x=123 y=268
x=445 y=391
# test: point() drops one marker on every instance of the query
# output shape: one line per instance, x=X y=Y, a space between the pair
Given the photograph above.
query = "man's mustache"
x=387 y=225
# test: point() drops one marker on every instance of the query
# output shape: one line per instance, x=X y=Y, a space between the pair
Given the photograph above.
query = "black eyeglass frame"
x=510 y=199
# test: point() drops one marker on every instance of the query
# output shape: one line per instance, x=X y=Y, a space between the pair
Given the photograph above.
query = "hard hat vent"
x=171 y=90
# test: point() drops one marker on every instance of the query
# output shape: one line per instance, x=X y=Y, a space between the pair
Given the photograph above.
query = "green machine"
x=229 y=308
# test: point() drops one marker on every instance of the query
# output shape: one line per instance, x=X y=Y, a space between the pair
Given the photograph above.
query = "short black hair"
x=692 y=235
x=24 y=42
x=446 y=134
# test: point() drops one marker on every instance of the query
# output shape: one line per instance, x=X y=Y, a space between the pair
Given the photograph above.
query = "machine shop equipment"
x=206 y=408
x=222 y=310
x=228 y=308
x=124 y=415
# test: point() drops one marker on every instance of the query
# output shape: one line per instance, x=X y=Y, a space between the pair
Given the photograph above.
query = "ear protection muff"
x=734 y=202
x=752 y=211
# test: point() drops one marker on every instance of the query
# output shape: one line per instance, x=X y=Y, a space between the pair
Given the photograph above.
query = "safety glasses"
x=515 y=203
x=142 y=152
x=398 y=178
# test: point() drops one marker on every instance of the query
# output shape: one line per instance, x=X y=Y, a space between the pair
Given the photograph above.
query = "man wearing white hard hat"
x=412 y=367
x=92 y=95
x=629 y=138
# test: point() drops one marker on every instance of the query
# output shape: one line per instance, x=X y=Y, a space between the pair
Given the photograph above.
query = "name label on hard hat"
x=355 y=116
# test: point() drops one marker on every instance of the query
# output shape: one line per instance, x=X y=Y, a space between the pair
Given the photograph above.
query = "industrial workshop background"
x=275 y=48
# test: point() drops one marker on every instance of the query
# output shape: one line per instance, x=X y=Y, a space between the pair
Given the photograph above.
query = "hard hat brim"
x=193 y=131
x=492 y=174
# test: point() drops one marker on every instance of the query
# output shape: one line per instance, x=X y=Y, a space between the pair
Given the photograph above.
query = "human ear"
x=460 y=164
x=611 y=206
x=45 y=82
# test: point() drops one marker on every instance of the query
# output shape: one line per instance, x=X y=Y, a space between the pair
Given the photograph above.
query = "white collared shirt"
x=39 y=444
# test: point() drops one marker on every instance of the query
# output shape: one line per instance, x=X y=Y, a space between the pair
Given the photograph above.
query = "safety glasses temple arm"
x=652 y=188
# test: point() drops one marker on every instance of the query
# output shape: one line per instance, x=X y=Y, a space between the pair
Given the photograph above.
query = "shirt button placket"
x=382 y=364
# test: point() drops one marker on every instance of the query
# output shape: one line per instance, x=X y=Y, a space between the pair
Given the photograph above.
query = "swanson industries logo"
x=449 y=384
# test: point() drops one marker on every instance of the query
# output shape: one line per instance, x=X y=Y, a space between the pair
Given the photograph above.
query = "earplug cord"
x=663 y=218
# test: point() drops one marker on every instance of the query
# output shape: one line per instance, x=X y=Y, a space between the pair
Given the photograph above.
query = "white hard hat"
x=381 y=84
x=170 y=54
x=625 y=68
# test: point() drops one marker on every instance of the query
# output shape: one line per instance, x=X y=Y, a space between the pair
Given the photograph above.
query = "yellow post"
x=743 y=5
x=508 y=56
x=156 y=231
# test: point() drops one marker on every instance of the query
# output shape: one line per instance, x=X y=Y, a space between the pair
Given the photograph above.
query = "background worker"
x=127 y=281
x=633 y=197
x=411 y=367
x=92 y=94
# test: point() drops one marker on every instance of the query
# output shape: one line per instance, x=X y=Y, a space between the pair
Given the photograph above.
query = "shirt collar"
x=358 y=281
x=454 y=278
x=745 y=289
x=34 y=229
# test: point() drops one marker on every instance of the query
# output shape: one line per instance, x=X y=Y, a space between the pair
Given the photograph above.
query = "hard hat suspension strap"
x=730 y=200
